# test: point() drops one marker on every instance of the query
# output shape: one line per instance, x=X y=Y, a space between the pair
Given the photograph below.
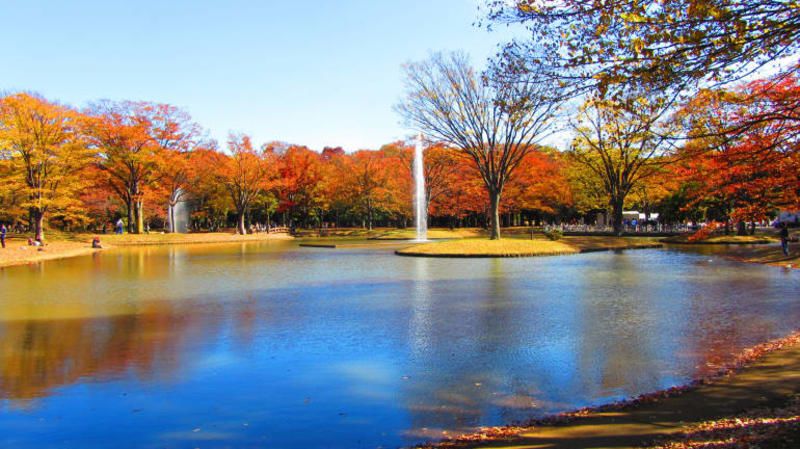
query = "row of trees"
x=659 y=126
x=83 y=169
x=655 y=80
x=634 y=65
x=727 y=155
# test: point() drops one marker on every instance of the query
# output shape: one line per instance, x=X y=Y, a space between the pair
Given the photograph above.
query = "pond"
x=273 y=345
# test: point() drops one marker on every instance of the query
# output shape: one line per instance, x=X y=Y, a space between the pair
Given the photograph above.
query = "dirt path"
x=769 y=382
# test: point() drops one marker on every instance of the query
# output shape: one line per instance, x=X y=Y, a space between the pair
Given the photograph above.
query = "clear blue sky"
x=313 y=72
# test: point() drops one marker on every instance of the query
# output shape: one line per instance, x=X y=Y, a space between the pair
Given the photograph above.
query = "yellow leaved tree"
x=43 y=152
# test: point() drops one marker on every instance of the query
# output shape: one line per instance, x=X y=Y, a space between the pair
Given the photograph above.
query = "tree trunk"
x=617 y=205
x=139 y=216
x=241 y=229
x=172 y=228
x=130 y=217
x=741 y=228
x=494 y=215
x=38 y=224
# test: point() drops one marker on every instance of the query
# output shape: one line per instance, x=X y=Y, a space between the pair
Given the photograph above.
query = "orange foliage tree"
x=301 y=174
x=176 y=135
x=743 y=158
x=245 y=175
x=540 y=184
x=122 y=131
x=209 y=196
x=44 y=151
x=365 y=183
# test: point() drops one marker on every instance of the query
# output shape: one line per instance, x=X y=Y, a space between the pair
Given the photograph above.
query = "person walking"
x=784 y=235
x=120 y=226
x=3 y=231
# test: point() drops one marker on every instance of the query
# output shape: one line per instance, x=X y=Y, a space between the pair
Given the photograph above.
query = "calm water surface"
x=267 y=345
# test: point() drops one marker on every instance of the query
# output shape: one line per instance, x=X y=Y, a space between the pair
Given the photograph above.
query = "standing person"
x=3 y=231
x=784 y=234
x=120 y=225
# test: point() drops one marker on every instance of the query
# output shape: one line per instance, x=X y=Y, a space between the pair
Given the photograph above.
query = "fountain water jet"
x=420 y=203
x=178 y=216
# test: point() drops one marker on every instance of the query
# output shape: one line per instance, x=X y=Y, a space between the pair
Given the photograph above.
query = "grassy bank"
x=607 y=243
x=766 y=254
x=488 y=248
x=17 y=251
x=519 y=246
x=62 y=245
x=763 y=248
x=723 y=240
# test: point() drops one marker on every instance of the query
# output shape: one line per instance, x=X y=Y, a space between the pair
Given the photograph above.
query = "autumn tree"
x=743 y=175
x=210 y=197
x=621 y=143
x=541 y=185
x=43 y=152
x=494 y=123
x=440 y=166
x=174 y=176
x=245 y=175
x=131 y=157
x=176 y=135
x=365 y=183
x=659 y=43
x=300 y=180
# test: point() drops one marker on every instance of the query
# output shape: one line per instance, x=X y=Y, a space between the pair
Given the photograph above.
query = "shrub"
x=554 y=234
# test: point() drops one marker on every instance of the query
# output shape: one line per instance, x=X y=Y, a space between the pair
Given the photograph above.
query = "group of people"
x=4 y=232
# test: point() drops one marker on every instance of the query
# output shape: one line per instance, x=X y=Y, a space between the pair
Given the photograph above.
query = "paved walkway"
x=768 y=382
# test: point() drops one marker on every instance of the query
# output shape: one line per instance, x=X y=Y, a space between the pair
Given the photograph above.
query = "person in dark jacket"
x=784 y=235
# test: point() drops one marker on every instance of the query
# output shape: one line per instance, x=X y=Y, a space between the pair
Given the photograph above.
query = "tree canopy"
x=605 y=43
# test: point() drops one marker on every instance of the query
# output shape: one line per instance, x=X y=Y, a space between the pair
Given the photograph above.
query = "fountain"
x=420 y=203
x=178 y=217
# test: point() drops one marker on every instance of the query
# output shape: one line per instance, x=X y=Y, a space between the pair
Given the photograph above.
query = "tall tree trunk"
x=617 y=205
x=494 y=215
x=172 y=228
x=241 y=229
x=741 y=228
x=38 y=223
x=369 y=215
x=131 y=229
x=139 y=208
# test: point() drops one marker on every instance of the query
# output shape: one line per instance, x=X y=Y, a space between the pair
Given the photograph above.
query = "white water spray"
x=420 y=204
x=178 y=216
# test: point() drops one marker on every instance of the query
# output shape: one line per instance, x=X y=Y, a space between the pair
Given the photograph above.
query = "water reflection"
x=273 y=345
x=38 y=356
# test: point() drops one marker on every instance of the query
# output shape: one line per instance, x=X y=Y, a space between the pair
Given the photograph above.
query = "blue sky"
x=314 y=72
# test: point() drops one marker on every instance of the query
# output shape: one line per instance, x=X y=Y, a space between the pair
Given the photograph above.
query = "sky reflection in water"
x=270 y=345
